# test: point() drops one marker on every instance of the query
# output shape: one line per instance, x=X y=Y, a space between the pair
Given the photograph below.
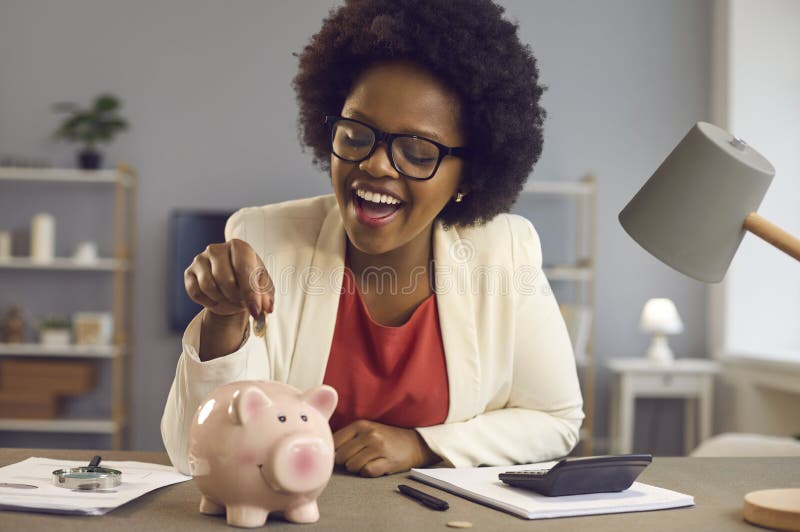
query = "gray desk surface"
x=351 y=503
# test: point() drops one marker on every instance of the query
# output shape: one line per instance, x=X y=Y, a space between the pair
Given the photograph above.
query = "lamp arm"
x=773 y=234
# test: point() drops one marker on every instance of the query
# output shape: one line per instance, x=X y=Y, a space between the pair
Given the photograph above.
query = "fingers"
x=228 y=278
x=346 y=434
x=260 y=283
x=203 y=271
x=372 y=449
x=221 y=269
x=196 y=293
x=356 y=463
x=376 y=468
x=351 y=440
x=253 y=280
x=349 y=449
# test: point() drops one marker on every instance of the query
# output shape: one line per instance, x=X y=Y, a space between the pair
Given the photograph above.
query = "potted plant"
x=55 y=330
x=89 y=127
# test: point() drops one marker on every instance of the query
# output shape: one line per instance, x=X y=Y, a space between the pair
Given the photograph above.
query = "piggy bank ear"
x=248 y=403
x=323 y=398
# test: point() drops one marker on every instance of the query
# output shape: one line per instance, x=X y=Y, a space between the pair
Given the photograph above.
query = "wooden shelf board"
x=568 y=273
x=78 y=426
x=66 y=351
x=63 y=175
x=64 y=263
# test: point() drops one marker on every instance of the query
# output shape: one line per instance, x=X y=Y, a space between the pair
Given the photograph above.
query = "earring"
x=459 y=197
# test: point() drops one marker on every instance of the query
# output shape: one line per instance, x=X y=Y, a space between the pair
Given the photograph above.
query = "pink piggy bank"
x=257 y=447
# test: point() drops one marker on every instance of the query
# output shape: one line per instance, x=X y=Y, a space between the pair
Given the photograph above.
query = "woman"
x=426 y=114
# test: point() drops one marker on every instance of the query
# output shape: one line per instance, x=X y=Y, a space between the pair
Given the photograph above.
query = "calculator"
x=577 y=476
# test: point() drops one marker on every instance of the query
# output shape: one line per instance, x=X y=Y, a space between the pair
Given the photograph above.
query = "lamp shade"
x=659 y=315
x=690 y=213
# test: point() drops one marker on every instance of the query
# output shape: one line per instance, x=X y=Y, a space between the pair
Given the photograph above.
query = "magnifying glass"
x=87 y=478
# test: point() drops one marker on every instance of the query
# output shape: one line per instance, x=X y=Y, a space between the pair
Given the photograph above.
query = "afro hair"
x=472 y=49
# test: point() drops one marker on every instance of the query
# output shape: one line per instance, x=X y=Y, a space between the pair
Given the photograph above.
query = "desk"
x=352 y=503
x=689 y=379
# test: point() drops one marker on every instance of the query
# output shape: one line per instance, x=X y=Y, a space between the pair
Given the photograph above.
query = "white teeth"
x=374 y=197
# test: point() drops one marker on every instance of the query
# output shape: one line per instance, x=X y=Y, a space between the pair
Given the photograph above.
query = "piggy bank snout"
x=303 y=464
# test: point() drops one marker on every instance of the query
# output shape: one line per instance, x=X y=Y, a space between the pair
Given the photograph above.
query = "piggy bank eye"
x=304 y=417
x=282 y=419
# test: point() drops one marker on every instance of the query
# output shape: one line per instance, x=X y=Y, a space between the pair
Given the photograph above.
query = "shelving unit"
x=581 y=274
x=123 y=179
x=123 y=175
x=61 y=263
x=75 y=426
x=66 y=351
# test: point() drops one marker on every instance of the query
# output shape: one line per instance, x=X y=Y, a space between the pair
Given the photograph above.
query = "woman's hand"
x=372 y=449
x=229 y=279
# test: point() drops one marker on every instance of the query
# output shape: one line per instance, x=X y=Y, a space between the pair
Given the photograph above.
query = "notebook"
x=481 y=485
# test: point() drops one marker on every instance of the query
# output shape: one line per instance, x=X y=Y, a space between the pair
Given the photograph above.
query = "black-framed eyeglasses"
x=413 y=156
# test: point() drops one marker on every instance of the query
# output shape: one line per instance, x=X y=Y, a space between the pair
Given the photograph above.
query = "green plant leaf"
x=106 y=103
x=114 y=124
x=89 y=126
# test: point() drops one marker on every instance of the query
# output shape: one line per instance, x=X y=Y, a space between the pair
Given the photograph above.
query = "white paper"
x=138 y=478
x=481 y=484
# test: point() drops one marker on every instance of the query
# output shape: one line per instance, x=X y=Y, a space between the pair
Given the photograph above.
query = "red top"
x=392 y=375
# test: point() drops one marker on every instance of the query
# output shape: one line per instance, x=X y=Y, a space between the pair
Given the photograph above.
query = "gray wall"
x=207 y=87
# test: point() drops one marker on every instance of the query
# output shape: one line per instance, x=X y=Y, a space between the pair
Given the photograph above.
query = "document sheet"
x=28 y=486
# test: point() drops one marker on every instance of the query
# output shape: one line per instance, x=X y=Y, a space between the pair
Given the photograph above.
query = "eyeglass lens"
x=413 y=157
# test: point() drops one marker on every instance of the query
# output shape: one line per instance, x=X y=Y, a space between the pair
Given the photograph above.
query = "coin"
x=260 y=325
x=459 y=524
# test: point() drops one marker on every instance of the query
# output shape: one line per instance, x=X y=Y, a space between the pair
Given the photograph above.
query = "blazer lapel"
x=321 y=290
x=455 y=303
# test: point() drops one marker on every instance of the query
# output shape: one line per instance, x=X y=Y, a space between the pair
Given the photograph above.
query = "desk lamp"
x=692 y=214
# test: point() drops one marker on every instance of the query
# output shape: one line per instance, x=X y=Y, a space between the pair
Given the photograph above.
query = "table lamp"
x=660 y=318
x=692 y=214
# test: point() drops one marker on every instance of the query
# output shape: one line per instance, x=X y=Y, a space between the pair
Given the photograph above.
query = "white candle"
x=43 y=237
x=5 y=245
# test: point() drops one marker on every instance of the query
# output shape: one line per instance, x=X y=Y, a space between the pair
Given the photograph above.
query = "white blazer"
x=513 y=386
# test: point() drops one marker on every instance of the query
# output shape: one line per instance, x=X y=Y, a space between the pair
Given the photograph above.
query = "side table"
x=687 y=378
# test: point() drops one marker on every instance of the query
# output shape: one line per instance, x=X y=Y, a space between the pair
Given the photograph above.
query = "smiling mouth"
x=375 y=211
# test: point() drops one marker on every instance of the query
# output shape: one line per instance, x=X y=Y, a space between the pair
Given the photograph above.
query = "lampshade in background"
x=660 y=318
x=693 y=212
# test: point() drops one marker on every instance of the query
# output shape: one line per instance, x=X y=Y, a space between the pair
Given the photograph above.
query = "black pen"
x=428 y=500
